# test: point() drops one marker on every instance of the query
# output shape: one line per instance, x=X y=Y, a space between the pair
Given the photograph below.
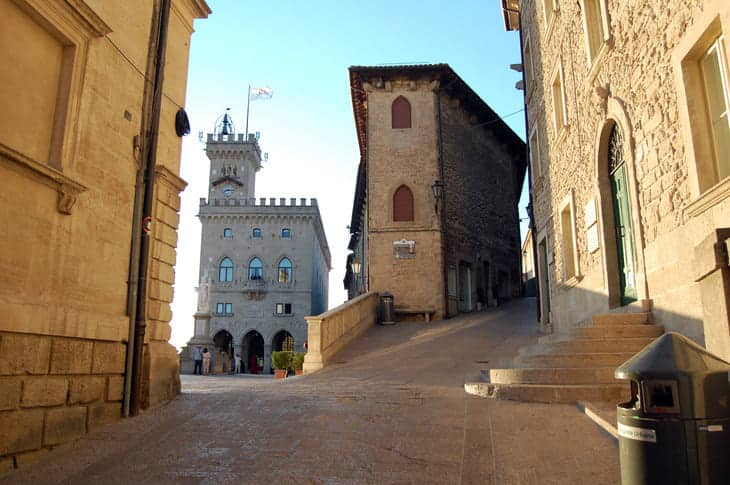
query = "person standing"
x=238 y=363
x=206 y=361
x=198 y=358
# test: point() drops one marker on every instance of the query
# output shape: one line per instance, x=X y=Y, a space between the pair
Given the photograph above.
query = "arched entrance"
x=252 y=352
x=223 y=355
x=283 y=340
x=617 y=222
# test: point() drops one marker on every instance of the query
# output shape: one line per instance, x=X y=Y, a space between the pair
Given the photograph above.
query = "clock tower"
x=234 y=161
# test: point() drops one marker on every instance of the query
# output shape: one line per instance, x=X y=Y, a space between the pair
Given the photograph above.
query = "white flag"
x=260 y=93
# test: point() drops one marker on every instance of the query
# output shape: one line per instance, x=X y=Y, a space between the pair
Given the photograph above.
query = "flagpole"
x=248 y=103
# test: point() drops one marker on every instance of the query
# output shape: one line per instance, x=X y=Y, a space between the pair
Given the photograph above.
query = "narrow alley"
x=391 y=410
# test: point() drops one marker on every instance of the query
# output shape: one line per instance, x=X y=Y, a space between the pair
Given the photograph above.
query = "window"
x=256 y=232
x=714 y=68
x=227 y=232
x=567 y=228
x=255 y=269
x=285 y=268
x=595 y=25
x=704 y=66
x=283 y=308
x=401 y=113
x=225 y=270
x=403 y=204
x=560 y=119
x=286 y=233
x=535 y=162
x=224 y=308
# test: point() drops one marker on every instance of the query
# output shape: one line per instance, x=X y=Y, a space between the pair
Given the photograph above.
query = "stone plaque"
x=592 y=238
x=590 y=213
x=404 y=249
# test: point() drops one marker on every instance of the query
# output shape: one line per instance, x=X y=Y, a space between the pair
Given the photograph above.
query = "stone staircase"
x=573 y=366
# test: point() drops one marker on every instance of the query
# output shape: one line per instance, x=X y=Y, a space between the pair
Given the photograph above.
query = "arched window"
x=286 y=233
x=401 y=113
x=285 y=270
x=256 y=232
x=225 y=270
x=227 y=232
x=403 y=204
x=255 y=269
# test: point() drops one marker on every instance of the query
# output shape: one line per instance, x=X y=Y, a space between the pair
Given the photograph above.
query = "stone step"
x=596 y=359
x=642 y=318
x=587 y=346
x=550 y=393
x=605 y=332
x=550 y=375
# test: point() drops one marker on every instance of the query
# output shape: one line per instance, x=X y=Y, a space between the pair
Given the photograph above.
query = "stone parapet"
x=330 y=332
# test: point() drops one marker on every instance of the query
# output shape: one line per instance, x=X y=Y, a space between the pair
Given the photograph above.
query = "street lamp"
x=356 y=266
x=438 y=193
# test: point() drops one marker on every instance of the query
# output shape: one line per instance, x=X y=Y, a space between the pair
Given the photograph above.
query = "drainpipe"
x=444 y=251
x=143 y=202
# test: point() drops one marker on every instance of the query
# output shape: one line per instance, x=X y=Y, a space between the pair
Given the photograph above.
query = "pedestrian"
x=198 y=358
x=238 y=363
x=206 y=361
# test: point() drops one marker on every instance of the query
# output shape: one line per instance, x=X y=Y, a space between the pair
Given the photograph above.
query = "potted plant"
x=280 y=361
x=297 y=363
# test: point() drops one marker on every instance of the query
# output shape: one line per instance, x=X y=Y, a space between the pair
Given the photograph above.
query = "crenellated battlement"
x=236 y=138
x=260 y=202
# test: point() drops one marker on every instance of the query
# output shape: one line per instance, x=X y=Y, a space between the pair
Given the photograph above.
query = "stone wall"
x=409 y=157
x=55 y=389
x=636 y=82
x=65 y=257
x=480 y=202
x=332 y=331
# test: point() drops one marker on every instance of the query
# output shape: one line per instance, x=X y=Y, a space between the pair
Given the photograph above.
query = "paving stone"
x=392 y=411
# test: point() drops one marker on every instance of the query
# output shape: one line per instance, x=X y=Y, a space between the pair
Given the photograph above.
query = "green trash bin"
x=676 y=427
x=387 y=309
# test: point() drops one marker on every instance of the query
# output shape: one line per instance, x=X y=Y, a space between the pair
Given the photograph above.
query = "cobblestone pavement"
x=391 y=410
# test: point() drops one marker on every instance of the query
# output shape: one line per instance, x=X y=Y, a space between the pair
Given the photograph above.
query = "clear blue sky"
x=302 y=50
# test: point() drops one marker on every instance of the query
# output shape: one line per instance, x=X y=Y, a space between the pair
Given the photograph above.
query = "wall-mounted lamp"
x=356 y=266
x=438 y=193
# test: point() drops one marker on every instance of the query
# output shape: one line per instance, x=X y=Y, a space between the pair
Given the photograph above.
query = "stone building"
x=84 y=111
x=264 y=264
x=630 y=159
x=434 y=218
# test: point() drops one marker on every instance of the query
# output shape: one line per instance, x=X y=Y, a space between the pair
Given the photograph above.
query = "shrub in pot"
x=280 y=361
x=297 y=363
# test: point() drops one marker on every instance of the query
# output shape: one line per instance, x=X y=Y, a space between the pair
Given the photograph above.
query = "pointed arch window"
x=403 y=204
x=255 y=269
x=401 y=113
x=285 y=270
x=225 y=270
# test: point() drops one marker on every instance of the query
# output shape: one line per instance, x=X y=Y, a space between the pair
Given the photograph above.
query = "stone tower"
x=263 y=264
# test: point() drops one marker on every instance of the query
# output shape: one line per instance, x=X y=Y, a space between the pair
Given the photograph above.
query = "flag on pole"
x=260 y=93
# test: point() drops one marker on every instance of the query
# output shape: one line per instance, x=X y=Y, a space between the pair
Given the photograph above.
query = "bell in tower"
x=224 y=125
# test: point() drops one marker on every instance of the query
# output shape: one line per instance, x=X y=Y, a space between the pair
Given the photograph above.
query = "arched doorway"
x=253 y=352
x=283 y=340
x=618 y=226
x=223 y=355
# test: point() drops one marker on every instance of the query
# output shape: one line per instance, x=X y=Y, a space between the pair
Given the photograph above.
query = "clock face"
x=228 y=191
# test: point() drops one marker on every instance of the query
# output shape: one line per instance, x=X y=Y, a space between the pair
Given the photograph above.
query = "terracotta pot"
x=298 y=372
x=279 y=373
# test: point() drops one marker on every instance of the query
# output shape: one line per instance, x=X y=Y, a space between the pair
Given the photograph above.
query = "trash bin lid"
x=671 y=356
x=702 y=388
